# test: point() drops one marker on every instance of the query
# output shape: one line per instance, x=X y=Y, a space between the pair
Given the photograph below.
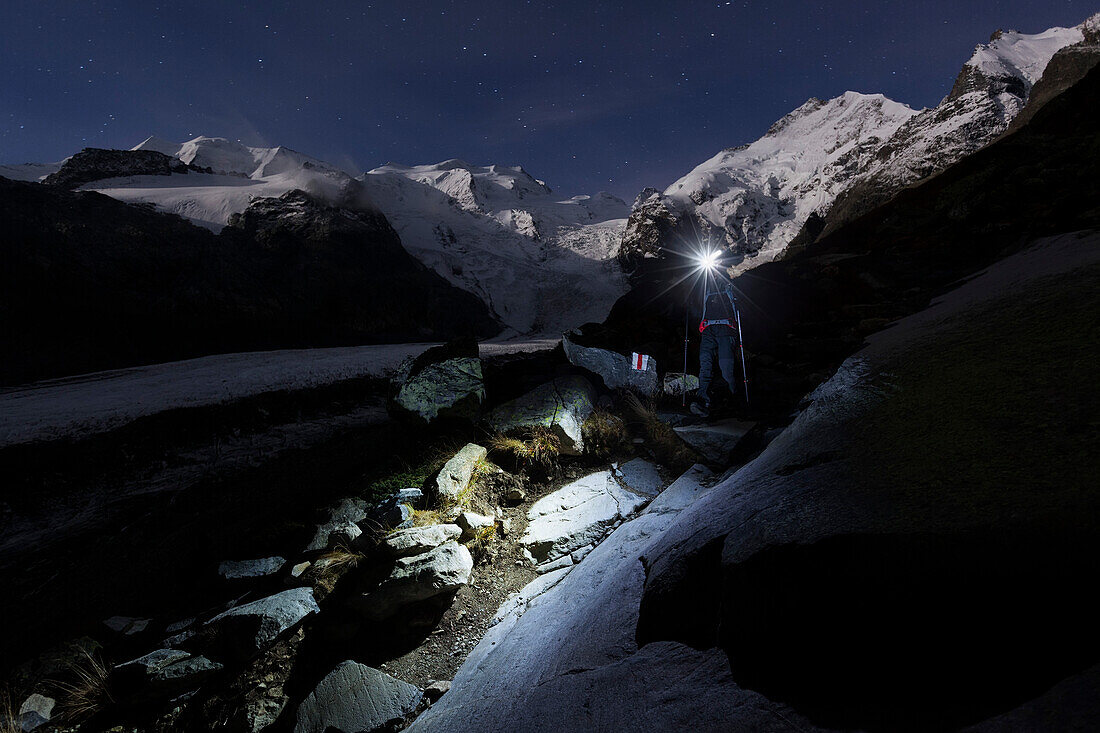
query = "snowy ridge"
x=856 y=151
x=760 y=195
x=1013 y=54
x=542 y=263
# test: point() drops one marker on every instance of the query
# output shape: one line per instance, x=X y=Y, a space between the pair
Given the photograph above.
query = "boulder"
x=454 y=478
x=715 y=441
x=418 y=540
x=576 y=515
x=241 y=569
x=35 y=711
x=641 y=477
x=472 y=523
x=163 y=673
x=444 y=382
x=561 y=405
x=245 y=630
x=676 y=383
x=437 y=689
x=615 y=368
x=355 y=698
x=350 y=510
x=420 y=577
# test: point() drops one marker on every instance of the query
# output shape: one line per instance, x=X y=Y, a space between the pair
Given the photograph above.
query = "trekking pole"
x=684 y=376
x=741 y=346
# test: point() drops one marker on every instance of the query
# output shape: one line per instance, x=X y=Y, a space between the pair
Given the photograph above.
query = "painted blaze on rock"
x=615 y=368
x=561 y=405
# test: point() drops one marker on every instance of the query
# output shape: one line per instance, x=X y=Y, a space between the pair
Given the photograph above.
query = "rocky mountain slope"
x=542 y=263
x=91 y=283
x=839 y=158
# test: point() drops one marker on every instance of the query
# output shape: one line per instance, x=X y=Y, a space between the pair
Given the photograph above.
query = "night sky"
x=586 y=95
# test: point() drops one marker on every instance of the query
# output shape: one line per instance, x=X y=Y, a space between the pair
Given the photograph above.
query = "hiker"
x=720 y=328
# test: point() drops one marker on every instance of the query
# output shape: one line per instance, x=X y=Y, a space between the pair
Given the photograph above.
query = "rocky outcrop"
x=355 y=698
x=561 y=405
x=246 y=630
x=94 y=164
x=454 y=478
x=614 y=368
x=443 y=570
x=576 y=515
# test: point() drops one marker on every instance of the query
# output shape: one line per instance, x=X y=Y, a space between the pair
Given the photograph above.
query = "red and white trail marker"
x=639 y=362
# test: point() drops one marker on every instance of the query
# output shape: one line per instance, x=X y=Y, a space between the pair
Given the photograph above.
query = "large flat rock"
x=577 y=515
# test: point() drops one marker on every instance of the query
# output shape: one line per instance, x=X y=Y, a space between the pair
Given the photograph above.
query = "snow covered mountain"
x=544 y=264
x=541 y=262
x=855 y=150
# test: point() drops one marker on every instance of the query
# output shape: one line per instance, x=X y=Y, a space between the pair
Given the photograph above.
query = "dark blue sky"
x=586 y=95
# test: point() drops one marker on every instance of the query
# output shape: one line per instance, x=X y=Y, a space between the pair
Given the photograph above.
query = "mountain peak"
x=158 y=144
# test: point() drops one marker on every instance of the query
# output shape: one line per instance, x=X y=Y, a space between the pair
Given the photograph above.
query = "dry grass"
x=661 y=439
x=9 y=714
x=87 y=692
x=425 y=517
x=482 y=541
x=604 y=433
x=338 y=561
x=538 y=444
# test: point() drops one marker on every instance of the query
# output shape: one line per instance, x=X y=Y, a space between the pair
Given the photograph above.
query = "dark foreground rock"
x=355 y=698
x=246 y=630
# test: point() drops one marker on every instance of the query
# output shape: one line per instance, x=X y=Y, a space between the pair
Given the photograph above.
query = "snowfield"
x=94 y=403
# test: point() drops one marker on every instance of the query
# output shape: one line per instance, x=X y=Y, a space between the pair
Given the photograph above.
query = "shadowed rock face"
x=94 y=164
x=911 y=552
x=90 y=283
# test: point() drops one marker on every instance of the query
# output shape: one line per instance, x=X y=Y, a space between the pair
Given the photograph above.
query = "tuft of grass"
x=87 y=692
x=662 y=440
x=338 y=561
x=9 y=714
x=604 y=433
x=424 y=517
x=538 y=444
x=481 y=542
